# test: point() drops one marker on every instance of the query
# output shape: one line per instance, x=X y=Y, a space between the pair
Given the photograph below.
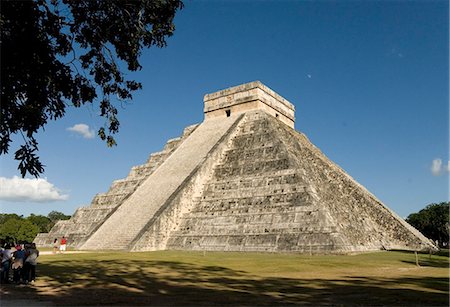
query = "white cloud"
x=29 y=190
x=437 y=168
x=83 y=130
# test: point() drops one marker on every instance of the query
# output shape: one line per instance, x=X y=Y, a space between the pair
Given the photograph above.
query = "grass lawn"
x=190 y=278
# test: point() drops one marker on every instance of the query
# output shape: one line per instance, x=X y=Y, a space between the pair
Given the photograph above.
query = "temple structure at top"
x=246 y=97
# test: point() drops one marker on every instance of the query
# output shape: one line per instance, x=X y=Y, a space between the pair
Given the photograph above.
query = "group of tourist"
x=22 y=261
x=62 y=245
x=19 y=264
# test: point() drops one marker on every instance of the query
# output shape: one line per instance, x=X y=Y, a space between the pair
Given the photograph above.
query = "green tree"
x=60 y=53
x=5 y=216
x=56 y=216
x=14 y=230
x=44 y=223
x=432 y=221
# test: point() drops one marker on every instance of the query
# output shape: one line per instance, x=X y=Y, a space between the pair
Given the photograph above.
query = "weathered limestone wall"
x=87 y=220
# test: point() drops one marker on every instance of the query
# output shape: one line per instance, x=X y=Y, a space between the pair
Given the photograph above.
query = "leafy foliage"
x=5 y=216
x=44 y=223
x=59 y=53
x=15 y=228
x=433 y=221
x=56 y=216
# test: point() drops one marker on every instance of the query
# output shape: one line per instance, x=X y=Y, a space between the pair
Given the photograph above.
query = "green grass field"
x=191 y=278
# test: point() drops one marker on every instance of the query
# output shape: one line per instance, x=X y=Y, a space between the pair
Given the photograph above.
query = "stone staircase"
x=256 y=200
x=86 y=220
x=126 y=223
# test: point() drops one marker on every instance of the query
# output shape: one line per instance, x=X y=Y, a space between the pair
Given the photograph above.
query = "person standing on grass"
x=6 y=263
x=62 y=246
x=31 y=255
x=17 y=266
x=55 y=246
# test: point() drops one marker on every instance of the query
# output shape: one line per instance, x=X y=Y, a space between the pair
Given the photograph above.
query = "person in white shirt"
x=6 y=263
x=31 y=255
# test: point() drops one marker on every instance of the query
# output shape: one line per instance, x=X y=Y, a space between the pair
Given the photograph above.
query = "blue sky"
x=369 y=80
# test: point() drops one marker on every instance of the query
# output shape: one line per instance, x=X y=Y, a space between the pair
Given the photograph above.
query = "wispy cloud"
x=38 y=190
x=395 y=52
x=83 y=130
x=437 y=168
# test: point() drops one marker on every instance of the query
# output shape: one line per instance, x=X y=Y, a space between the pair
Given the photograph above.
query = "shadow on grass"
x=435 y=263
x=443 y=252
x=121 y=282
x=437 y=260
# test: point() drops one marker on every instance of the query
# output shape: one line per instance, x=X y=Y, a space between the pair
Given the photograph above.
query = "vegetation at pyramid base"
x=433 y=221
x=62 y=53
x=17 y=229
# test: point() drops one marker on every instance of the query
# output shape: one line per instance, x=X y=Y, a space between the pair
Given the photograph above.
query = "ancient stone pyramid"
x=242 y=180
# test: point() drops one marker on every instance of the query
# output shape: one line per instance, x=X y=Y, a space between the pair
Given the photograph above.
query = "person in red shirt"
x=62 y=245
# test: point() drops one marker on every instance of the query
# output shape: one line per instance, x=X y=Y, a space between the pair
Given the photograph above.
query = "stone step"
x=172 y=144
x=251 y=221
x=263 y=213
x=252 y=168
x=259 y=186
x=189 y=129
x=123 y=186
x=106 y=199
x=251 y=204
x=263 y=152
x=262 y=242
x=257 y=228
x=293 y=195
x=284 y=173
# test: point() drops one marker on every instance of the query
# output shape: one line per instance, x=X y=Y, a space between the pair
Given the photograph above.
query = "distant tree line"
x=433 y=222
x=18 y=229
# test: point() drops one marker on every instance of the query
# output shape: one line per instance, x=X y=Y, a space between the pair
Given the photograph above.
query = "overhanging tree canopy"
x=57 y=54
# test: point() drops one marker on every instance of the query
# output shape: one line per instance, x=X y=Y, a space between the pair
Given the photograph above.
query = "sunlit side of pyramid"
x=242 y=180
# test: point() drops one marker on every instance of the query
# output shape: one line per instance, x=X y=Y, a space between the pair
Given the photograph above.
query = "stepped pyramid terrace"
x=242 y=180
